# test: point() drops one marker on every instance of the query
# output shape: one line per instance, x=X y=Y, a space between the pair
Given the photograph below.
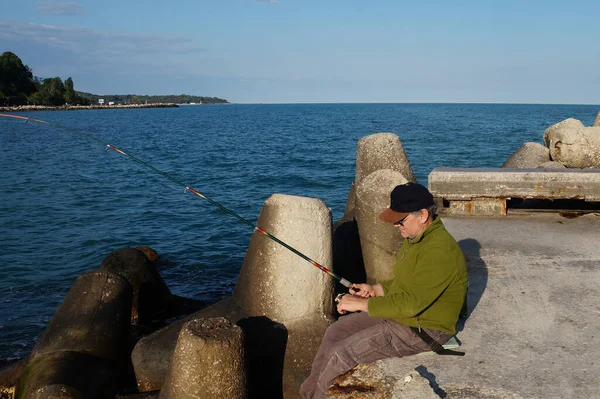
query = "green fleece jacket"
x=430 y=282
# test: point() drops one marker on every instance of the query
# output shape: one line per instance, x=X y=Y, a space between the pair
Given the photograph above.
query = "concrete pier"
x=532 y=329
x=484 y=191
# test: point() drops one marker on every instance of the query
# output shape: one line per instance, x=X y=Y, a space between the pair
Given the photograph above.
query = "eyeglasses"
x=401 y=221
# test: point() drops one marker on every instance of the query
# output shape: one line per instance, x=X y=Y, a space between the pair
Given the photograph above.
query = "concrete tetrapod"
x=379 y=241
x=151 y=296
x=529 y=155
x=84 y=347
x=381 y=151
x=282 y=303
x=208 y=362
x=573 y=144
x=375 y=152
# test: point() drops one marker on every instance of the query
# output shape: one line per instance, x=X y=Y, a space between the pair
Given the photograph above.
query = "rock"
x=282 y=303
x=151 y=254
x=529 y=155
x=274 y=281
x=151 y=296
x=381 y=151
x=551 y=165
x=379 y=241
x=85 y=346
x=370 y=381
x=375 y=152
x=351 y=200
x=10 y=372
x=573 y=144
x=347 y=254
x=208 y=361
x=597 y=120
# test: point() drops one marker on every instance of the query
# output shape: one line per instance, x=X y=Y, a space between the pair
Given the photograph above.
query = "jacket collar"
x=435 y=225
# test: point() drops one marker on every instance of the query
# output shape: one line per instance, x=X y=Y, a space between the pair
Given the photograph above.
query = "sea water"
x=66 y=202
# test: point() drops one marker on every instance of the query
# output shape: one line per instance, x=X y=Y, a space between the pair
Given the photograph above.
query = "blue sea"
x=66 y=202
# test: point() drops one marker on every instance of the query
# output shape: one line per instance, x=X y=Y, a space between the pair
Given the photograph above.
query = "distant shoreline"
x=28 y=108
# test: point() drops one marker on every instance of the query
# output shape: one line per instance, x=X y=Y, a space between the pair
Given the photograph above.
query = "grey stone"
x=151 y=296
x=277 y=283
x=85 y=345
x=282 y=302
x=379 y=241
x=381 y=151
x=551 y=165
x=92 y=319
x=573 y=144
x=529 y=155
x=597 y=120
x=208 y=361
x=470 y=183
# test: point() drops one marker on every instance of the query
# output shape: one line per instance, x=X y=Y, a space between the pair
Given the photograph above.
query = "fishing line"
x=342 y=280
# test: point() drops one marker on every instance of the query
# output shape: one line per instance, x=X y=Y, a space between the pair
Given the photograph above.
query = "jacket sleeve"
x=434 y=270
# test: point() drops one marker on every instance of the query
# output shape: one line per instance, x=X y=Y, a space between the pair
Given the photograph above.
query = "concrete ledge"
x=470 y=183
x=484 y=191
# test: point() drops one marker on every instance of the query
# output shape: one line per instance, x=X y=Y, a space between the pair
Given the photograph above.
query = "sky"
x=315 y=51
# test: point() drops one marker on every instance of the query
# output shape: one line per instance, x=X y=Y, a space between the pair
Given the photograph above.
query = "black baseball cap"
x=404 y=199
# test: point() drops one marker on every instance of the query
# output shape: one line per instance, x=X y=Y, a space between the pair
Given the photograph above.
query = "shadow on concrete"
x=347 y=253
x=478 y=276
x=429 y=376
x=264 y=352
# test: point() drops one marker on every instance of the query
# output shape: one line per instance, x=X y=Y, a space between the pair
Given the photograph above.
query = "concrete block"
x=573 y=144
x=468 y=184
x=381 y=151
x=529 y=155
x=151 y=296
x=279 y=297
x=92 y=319
x=551 y=165
x=85 y=346
x=208 y=361
x=379 y=241
x=277 y=283
x=478 y=207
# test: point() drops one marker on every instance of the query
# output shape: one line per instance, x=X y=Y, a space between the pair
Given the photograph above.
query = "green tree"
x=51 y=92
x=70 y=95
x=16 y=80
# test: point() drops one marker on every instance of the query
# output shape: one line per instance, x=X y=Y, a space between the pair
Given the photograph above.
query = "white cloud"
x=88 y=42
x=60 y=8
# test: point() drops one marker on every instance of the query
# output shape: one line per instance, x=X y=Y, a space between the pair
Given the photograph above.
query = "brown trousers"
x=359 y=338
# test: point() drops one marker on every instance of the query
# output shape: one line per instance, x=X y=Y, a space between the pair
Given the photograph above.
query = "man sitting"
x=416 y=311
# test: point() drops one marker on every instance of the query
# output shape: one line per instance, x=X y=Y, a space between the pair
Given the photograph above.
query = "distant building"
x=101 y=101
x=111 y=103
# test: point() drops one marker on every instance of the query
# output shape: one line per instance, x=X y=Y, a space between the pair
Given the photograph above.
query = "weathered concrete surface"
x=551 y=165
x=534 y=316
x=469 y=183
x=573 y=144
x=84 y=349
x=379 y=241
x=529 y=155
x=381 y=151
x=282 y=303
x=151 y=296
x=208 y=362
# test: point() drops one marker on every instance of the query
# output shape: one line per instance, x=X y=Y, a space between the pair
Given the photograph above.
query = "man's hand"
x=366 y=290
x=352 y=303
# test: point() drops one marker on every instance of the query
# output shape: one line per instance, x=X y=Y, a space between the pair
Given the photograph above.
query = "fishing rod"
x=342 y=280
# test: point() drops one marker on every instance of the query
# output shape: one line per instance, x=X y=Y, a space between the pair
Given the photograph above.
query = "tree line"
x=18 y=86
